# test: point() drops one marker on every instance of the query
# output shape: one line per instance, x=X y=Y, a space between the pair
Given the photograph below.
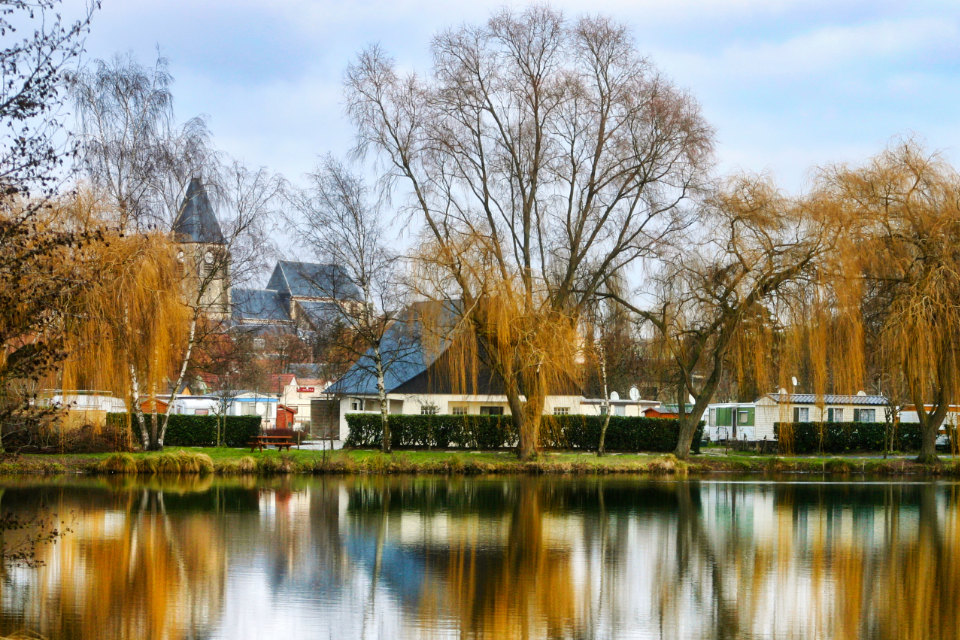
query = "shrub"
x=843 y=437
x=494 y=432
x=199 y=431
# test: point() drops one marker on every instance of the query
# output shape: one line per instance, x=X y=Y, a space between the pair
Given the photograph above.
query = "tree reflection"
x=129 y=570
x=837 y=562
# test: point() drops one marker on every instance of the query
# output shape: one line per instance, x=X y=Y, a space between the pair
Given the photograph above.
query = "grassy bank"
x=223 y=461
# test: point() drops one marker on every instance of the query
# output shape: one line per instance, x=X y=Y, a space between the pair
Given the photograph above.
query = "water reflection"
x=488 y=558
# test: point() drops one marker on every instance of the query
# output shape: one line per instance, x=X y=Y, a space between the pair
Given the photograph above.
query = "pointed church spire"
x=196 y=222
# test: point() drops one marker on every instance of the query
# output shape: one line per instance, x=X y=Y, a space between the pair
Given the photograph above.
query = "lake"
x=517 y=557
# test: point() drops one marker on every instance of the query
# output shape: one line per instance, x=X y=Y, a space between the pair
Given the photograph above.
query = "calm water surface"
x=487 y=558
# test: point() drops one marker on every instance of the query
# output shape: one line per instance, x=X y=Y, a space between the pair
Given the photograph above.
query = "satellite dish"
x=794 y=380
x=614 y=395
x=634 y=394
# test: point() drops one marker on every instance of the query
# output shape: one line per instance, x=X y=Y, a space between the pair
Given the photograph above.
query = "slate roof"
x=811 y=398
x=196 y=221
x=403 y=347
x=312 y=280
x=258 y=305
x=319 y=313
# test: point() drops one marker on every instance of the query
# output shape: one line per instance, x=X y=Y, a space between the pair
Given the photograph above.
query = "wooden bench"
x=260 y=442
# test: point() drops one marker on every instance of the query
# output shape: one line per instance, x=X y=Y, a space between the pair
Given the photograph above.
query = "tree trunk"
x=137 y=410
x=180 y=377
x=688 y=427
x=928 y=439
x=385 y=445
x=606 y=401
x=930 y=422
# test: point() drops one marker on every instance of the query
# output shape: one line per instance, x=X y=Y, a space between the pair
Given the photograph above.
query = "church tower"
x=204 y=253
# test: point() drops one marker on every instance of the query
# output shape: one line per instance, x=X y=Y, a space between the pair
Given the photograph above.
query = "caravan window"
x=561 y=411
x=801 y=414
x=491 y=411
x=429 y=409
x=834 y=415
x=864 y=415
x=356 y=404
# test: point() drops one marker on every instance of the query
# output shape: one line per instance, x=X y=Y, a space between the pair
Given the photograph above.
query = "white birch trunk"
x=183 y=372
x=382 y=395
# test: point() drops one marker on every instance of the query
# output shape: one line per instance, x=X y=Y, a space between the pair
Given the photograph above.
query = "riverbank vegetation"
x=227 y=462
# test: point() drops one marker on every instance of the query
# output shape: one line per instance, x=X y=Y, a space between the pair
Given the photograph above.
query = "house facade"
x=419 y=380
x=756 y=420
x=297 y=394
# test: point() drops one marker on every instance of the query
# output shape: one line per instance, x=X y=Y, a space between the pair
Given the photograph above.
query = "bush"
x=494 y=432
x=843 y=437
x=198 y=431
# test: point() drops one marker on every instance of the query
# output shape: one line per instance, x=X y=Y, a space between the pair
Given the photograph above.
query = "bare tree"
x=553 y=143
x=132 y=147
x=753 y=251
x=341 y=222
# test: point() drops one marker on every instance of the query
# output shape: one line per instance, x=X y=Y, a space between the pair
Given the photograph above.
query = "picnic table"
x=259 y=442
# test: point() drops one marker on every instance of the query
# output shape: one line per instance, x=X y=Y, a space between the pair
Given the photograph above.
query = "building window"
x=864 y=415
x=801 y=414
x=561 y=411
x=834 y=415
x=619 y=410
x=356 y=404
x=458 y=411
x=491 y=411
x=429 y=410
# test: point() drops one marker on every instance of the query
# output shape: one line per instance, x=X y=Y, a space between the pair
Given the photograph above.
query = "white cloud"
x=825 y=50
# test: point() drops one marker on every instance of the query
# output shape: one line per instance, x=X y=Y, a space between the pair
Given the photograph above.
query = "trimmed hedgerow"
x=841 y=437
x=200 y=431
x=495 y=432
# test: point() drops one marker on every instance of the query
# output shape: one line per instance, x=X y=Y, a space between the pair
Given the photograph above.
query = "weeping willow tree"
x=512 y=335
x=905 y=250
x=553 y=141
x=128 y=329
x=739 y=287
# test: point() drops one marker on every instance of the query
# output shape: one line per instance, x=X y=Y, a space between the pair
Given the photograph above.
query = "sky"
x=788 y=85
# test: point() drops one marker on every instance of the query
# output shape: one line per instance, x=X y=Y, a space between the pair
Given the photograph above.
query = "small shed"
x=285 y=416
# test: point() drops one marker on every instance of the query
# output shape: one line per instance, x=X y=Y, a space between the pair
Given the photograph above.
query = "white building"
x=298 y=394
x=755 y=420
x=417 y=382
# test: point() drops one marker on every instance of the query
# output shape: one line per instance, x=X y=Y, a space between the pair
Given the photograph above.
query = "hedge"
x=199 y=431
x=494 y=432
x=841 y=437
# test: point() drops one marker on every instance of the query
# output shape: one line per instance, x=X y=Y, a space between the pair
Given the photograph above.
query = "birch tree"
x=341 y=223
x=552 y=142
